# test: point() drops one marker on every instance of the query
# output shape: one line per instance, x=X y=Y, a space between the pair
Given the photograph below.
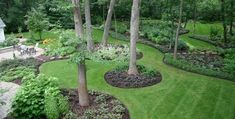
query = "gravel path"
x=9 y=55
x=9 y=90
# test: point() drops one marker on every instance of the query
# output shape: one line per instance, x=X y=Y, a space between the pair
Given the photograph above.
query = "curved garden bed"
x=120 y=78
x=213 y=69
x=102 y=106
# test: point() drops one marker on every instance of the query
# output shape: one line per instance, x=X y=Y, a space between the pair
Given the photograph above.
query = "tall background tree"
x=178 y=29
x=90 y=43
x=108 y=22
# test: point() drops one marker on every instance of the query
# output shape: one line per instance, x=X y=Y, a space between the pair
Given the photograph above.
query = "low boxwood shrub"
x=34 y=100
x=185 y=65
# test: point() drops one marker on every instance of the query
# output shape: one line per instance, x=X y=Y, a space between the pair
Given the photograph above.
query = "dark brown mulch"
x=124 y=80
x=204 y=59
x=17 y=81
x=73 y=97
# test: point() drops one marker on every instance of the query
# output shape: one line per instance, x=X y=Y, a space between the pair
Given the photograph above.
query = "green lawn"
x=200 y=29
x=180 y=95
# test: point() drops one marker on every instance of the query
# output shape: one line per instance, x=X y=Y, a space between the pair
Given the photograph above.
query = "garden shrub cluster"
x=146 y=71
x=104 y=110
x=189 y=66
x=120 y=27
x=13 y=63
x=10 y=41
x=39 y=98
x=160 y=33
x=22 y=69
x=22 y=72
x=119 y=53
x=64 y=45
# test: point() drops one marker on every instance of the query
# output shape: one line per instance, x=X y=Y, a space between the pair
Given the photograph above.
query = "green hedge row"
x=185 y=65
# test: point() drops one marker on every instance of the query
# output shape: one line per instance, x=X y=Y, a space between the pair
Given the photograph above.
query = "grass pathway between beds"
x=180 y=95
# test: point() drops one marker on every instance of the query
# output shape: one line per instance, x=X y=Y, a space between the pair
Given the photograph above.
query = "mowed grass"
x=180 y=95
x=201 y=29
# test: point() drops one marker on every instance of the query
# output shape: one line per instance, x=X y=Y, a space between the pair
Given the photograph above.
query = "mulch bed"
x=203 y=59
x=17 y=81
x=124 y=80
x=73 y=97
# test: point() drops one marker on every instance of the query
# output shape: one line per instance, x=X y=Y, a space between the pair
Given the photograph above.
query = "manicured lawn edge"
x=203 y=38
x=187 y=66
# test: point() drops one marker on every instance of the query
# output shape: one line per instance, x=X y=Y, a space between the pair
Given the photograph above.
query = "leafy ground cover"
x=180 y=95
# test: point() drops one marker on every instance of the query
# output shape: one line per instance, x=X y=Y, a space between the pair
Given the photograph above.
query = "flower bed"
x=191 y=62
x=120 y=78
x=102 y=106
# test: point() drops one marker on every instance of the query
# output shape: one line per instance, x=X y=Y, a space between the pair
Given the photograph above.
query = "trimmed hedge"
x=185 y=65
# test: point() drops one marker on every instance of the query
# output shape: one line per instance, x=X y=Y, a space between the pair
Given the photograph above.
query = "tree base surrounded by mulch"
x=101 y=106
x=122 y=79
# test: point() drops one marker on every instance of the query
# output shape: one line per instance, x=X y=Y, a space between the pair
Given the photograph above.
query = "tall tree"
x=90 y=43
x=108 y=23
x=231 y=17
x=194 y=15
x=224 y=20
x=135 y=13
x=82 y=89
x=178 y=29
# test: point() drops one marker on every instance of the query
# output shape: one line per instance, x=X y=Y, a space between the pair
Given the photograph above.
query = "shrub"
x=229 y=63
x=150 y=72
x=10 y=41
x=214 y=33
x=24 y=73
x=51 y=107
x=63 y=105
x=34 y=99
x=182 y=45
x=162 y=40
x=118 y=53
x=120 y=27
x=146 y=71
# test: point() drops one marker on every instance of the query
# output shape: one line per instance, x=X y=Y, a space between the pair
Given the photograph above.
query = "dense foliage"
x=10 y=41
x=22 y=72
x=146 y=71
x=188 y=65
x=37 y=22
x=13 y=11
x=14 y=63
x=38 y=98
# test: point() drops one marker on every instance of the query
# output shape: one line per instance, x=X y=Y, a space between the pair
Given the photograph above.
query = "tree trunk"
x=224 y=22
x=82 y=89
x=134 y=36
x=108 y=23
x=77 y=19
x=186 y=22
x=231 y=17
x=90 y=44
x=194 y=16
x=178 y=29
x=40 y=35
